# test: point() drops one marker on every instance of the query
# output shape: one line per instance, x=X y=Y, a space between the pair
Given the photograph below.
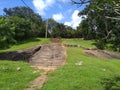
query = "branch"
x=112 y=18
x=101 y=9
x=117 y=12
x=81 y=2
x=108 y=34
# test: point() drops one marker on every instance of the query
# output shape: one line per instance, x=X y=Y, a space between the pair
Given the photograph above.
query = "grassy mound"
x=27 y=44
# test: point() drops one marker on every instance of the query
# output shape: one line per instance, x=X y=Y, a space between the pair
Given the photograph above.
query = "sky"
x=61 y=11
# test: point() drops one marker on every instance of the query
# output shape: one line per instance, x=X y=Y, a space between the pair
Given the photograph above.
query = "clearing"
x=86 y=68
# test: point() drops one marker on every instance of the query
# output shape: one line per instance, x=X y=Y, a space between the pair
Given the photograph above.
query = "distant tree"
x=36 y=23
x=52 y=24
x=6 y=33
x=59 y=30
x=21 y=28
x=85 y=30
x=23 y=12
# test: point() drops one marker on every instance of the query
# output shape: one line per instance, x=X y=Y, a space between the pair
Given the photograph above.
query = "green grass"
x=83 y=43
x=10 y=77
x=13 y=79
x=88 y=76
x=27 y=44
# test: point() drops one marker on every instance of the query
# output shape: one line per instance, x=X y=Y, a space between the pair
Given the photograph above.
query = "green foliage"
x=102 y=21
x=56 y=30
x=112 y=83
x=21 y=28
x=85 y=30
x=15 y=75
x=32 y=21
x=6 y=33
x=100 y=44
x=18 y=24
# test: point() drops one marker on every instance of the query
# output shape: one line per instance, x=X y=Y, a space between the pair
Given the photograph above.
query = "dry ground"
x=48 y=58
x=103 y=54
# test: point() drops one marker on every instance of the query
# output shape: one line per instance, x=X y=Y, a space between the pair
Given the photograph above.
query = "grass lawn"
x=11 y=78
x=27 y=44
x=83 y=43
x=93 y=74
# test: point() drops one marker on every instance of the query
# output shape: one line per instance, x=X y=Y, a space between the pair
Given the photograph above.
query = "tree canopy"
x=102 y=20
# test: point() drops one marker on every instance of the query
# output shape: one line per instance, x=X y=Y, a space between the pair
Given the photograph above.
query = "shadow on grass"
x=23 y=55
x=28 y=40
x=111 y=83
x=15 y=56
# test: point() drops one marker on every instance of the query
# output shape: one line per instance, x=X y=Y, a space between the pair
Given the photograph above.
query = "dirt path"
x=48 y=58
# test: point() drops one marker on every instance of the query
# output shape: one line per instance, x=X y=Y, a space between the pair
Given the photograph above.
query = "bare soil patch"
x=50 y=55
x=103 y=54
x=48 y=58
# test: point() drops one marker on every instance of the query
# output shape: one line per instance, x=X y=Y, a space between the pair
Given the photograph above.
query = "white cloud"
x=75 y=20
x=42 y=5
x=58 y=17
x=39 y=5
x=49 y=2
x=68 y=23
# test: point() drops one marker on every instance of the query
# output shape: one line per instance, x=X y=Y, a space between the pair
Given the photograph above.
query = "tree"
x=18 y=24
x=59 y=30
x=85 y=30
x=36 y=23
x=23 y=12
x=103 y=18
x=21 y=28
x=6 y=33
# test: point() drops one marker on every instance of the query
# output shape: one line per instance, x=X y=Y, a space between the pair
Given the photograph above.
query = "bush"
x=100 y=44
x=111 y=83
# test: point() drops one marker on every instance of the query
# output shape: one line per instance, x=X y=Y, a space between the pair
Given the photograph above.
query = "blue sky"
x=60 y=10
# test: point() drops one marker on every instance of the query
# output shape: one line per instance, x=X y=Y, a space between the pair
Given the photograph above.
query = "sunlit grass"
x=83 y=43
x=27 y=44
x=87 y=76
x=10 y=77
x=15 y=75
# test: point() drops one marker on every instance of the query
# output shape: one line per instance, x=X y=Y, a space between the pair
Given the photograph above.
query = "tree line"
x=101 y=22
x=22 y=23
